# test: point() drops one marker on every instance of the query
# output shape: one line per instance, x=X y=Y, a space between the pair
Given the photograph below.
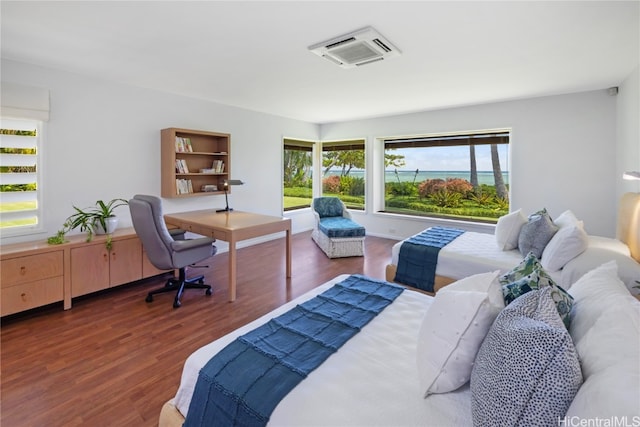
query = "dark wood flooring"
x=113 y=359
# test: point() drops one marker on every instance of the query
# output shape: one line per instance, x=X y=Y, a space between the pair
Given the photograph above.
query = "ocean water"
x=484 y=177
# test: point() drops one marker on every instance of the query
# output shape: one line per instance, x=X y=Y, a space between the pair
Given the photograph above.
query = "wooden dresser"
x=33 y=274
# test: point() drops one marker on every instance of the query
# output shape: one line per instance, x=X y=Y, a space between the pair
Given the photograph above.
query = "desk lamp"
x=225 y=186
x=631 y=175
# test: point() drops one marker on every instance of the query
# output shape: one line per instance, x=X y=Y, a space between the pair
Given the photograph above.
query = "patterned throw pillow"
x=527 y=370
x=530 y=275
x=536 y=233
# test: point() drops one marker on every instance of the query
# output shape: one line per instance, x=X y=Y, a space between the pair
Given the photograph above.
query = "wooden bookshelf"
x=192 y=159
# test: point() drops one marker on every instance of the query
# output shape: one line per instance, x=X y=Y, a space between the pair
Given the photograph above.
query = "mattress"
x=371 y=380
x=468 y=254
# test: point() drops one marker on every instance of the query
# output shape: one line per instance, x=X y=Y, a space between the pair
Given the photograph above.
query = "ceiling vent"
x=355 y=49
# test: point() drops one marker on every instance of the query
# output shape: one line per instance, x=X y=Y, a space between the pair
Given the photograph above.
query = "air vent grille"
x=355 y=49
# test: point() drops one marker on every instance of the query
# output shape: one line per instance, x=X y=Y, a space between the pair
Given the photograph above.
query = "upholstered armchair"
x=335 y=232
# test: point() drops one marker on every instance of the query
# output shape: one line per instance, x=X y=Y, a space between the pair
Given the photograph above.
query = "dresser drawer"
x=32 y=267
x=30 y=295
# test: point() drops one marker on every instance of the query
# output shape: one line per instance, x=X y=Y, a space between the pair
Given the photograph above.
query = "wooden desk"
x=232 y=227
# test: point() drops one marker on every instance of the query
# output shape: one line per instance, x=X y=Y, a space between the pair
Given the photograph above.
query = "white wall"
x=628 y=127
x=103 y=141
x=562 y=154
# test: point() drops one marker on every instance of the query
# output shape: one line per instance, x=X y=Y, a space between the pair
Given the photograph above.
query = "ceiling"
x=255 y=55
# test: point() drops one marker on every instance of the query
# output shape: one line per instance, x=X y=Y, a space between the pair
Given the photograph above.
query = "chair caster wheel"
x=149 y=298
x=208 y=292
x=176 y=304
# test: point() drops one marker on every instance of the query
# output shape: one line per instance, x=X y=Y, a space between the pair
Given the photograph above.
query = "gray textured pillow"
x=536 y=233
x=527 y=370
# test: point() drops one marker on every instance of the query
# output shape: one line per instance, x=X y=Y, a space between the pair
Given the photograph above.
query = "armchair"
x=164 y=252
x=335 y=232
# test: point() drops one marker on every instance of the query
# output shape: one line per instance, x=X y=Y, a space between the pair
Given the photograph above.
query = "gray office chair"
x=167 y=252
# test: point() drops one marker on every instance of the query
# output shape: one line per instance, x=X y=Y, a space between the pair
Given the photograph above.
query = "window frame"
x=25 y=230
x=487 y=137
x=347 y=145
x=304 y=145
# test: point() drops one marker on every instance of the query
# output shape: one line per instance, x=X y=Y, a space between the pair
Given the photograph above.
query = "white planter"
x=111 y=223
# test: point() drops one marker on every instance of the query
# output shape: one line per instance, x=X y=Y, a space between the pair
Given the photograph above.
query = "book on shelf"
x=183 y=145
x=181 y=166
x=218 y=166
x=184 y=186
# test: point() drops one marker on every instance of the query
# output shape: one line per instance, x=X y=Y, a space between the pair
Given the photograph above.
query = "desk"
x=232 y=227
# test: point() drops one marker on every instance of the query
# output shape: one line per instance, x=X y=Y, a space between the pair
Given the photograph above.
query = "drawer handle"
x=23 y=270
x=23 y=296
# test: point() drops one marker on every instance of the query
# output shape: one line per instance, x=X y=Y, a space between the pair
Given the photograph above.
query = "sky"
x=450 y=158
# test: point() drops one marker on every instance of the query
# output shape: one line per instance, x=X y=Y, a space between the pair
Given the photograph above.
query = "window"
x=20 y=207
x=343 y=172
x=297 y=174
x=463 y=177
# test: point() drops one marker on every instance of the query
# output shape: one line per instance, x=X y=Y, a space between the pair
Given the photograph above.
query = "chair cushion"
x=328 y=206
x=340 y=227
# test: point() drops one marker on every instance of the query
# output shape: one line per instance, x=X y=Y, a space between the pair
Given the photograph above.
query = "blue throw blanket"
x=243 y=383
x=418 y=256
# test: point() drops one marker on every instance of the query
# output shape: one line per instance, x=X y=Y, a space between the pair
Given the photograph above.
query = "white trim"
x=26 y=102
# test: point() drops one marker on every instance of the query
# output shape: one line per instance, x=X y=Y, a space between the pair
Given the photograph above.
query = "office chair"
x=165 y=252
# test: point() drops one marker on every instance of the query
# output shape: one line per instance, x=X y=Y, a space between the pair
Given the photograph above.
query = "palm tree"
x=474 y=168
x=501 y=189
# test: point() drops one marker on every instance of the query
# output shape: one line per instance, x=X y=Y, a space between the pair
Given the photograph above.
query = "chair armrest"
x=183 y=245
x=177 y=233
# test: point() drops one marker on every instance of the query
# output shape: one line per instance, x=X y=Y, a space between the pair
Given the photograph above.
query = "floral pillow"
x=529 y=275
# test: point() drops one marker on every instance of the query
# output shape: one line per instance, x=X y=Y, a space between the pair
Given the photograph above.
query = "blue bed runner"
x=418 y=256
x=244 y=382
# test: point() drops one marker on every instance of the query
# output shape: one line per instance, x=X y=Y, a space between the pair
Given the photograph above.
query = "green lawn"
x=291 y=202
x=18 y=206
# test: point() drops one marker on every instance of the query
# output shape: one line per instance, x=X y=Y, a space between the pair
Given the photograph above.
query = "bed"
x=382 y=375
x=474 y=252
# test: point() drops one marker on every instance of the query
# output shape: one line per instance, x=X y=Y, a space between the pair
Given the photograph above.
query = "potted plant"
x=99 y=219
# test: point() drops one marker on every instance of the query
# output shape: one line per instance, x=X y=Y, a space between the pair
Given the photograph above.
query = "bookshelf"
x=193 y=162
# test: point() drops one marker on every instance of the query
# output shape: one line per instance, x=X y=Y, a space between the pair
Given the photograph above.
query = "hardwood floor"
x=113 y=359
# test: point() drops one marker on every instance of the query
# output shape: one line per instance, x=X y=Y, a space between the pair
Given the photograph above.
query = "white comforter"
x=472 y=253
x=468 y=254
x=372 y=380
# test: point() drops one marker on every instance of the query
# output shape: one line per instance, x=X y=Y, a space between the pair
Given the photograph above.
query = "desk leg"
x=288 y=251
x=232 y=269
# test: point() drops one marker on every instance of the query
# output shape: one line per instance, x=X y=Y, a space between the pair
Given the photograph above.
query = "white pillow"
x=453 y=330
x=606 y=331
x=566 y=219
x=597 y=291
x=508 y=230
x=569 y=242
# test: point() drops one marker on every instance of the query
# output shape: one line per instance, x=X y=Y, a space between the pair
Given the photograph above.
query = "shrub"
x=446 y=199
x=353 y=186
x=430 y=186
x=459 y=185
x=331 y=184
x=482 y=198
x=401 y=188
